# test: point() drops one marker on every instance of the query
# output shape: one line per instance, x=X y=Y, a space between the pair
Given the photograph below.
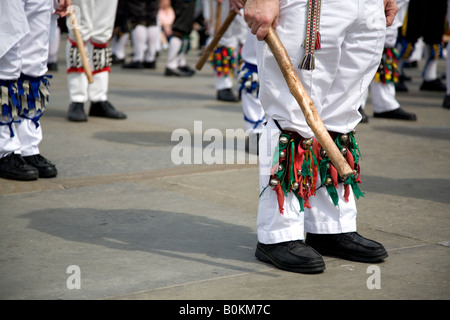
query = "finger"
x=275 y=22
x=236 y=10
x=262 y=32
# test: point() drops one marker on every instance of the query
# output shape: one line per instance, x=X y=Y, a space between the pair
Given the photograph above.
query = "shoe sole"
x=76 y=119
x=263 y=256
x=108 y=116
x=18 y=178
x=343 y=255
x=227 y=100
x=394 y=118
x=177 y=74
x=48 y=174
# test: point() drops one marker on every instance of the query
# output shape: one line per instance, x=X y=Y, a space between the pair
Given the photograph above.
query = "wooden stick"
x=217 y=36
x=306 y=104
x=80 y=45
x=218 y=16
x=211 y=13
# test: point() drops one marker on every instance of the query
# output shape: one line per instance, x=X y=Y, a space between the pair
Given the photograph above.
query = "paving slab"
x=133 y=225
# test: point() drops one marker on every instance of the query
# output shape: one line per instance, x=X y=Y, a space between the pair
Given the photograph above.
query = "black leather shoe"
x=226 y=95
x=187 y=69
x=446 y=103
x=150 y=64
x=116 y=60
x=176 y=73
x=365 y=118
x=412 y=64
x=133 y=65
x=14 y=167
x=404 y=77
x=350 y=246
x=433 y=85
x=106 y=110
x=76 y=112
x=400 y=86
x=52 y=66
x=46 y=168
x=397 y=114
x=293 y=256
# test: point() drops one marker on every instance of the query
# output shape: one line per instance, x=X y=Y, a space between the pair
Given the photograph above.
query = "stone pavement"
x=132 y=224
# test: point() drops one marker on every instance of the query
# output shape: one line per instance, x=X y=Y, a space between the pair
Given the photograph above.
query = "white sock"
x=139 y=37
x=152 y=43
x=174 y=48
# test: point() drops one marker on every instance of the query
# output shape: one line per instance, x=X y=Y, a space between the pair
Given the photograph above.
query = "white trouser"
x=251 y=106
x=383 y=95
x=253 y=112
x=119 y=45
x=145 y=40
x=352 y=41
x=13 y=27
x=25 y=141
x=28 y=56
x=322 y=217
x=55 y=39
x=430 y=69
x=176 y=56
x=232 y=38
x=96 y=23
x=96 y=19
x=81 y=91
x=223 y=82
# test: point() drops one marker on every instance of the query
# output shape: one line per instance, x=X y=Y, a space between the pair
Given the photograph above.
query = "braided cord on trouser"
x=312 y=39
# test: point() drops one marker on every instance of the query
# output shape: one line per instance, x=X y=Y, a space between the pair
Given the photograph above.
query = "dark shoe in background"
x=405 y=78
x=226 y=95
x=150 y=65
x=76 y=112
x=14 y=167
x=52 y=66
x=408 y=65
x=397 y=114
x=45 y=167
x=176 y=73
x=133 y=65
x=106 y=110
x=433 y=85
x=349 y=246
x=400 y=86
x=187 y=70
x=116 y=60
x=446 y=103
x=365 y=117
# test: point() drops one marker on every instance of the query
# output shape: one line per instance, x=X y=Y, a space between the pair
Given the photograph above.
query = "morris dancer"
x=96 y=22
x=225 y=58
x=337 y=51
x=382 y=88
x=254 y=115
x=145 y=32
x=427 y=21
x=24 y=48
x=179 y=41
